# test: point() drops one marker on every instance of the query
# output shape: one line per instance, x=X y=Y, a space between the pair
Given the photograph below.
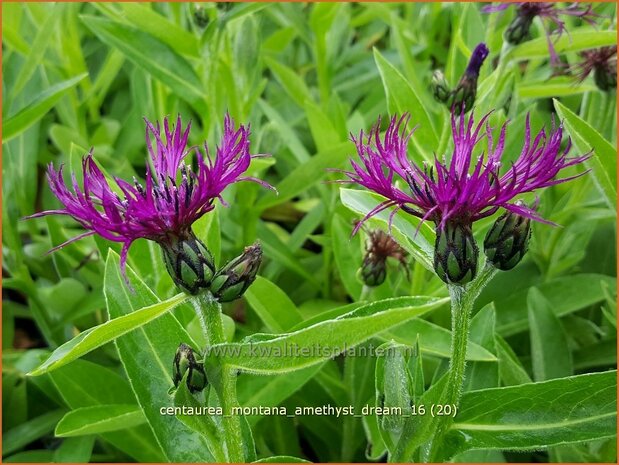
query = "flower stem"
x=209 y=312
x=462 y=300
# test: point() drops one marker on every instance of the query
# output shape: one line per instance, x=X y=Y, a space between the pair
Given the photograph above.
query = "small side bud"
x=185 y=362
x=507 y=241
x=373 y=272
x=189 y=263
x=232 y=280
x=380 y=246
x=440 y=88
x=455 y=253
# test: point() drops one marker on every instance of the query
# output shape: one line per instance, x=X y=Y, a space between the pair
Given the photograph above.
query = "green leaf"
x=143 y=17
x=347 y=251
x=35 y=110
x=532 y=416
x=99 y=335
x=293 y=84
x=482 y=374
x=403 y=98
x=153 y=56
x=550 y=352
x=307 y=175
x=393 y=387
x=272 y=305
x=202 y=424
x=557 y=87
x=434 y=340
x=268 y=353
x=23 y=434
x=282 y=459
x=37 y=50
x=270 y=391
x=511 y=370
x=99 y=419
x=603 y=161
x=574 y=42
x=75 y=450
x=86 y=384
x=147 y=356
x=565 y=295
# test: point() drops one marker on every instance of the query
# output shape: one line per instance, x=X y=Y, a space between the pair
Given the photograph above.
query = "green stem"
x=462 y=301
x=365 y=293
x=209 y=312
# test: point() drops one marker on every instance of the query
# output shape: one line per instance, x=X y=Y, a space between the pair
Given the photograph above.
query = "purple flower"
x=602 y=62
x=172 y=198
x=468 y=187
x=549 y=12
x=453 y=194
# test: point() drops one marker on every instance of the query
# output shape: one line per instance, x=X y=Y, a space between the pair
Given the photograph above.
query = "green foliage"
x=87 y=360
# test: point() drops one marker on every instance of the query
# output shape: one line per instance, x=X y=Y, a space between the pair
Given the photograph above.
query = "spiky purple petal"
x=468 y=187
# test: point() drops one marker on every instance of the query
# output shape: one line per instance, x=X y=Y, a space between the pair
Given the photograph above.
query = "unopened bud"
x=605 y=77
x=373 y=272
x=507 y=241
x=462 y=98
x=232 y=280
x=455 y=253
x=185 y=362
x=518 y=29
x=440 y=88
x=200 y=16
x=189 y=263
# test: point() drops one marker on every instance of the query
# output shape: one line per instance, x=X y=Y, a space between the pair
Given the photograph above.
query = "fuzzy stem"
x=209 y=312
x=365 y=293
x=462 y=300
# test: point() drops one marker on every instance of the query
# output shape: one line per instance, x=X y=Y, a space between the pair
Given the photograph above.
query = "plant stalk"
x=462 y=301
x=209 y=312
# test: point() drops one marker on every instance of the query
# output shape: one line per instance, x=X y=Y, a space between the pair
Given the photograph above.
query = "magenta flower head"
x=454 y=194
x=602 y=62
x=164 y=207
x=549 y=12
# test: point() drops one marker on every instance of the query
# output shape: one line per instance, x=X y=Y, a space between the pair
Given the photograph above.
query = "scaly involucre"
x=469 y=186
x=170 y=200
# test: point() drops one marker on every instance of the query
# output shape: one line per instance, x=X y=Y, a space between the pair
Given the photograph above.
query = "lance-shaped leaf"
x=535 y=415
x=99 y=335
x=265 y=353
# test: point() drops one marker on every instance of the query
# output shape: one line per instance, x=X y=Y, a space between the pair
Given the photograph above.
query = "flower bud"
x=507 y=240
x=189 y=263
x=605 y=78
x=373 y=272
x=455 y=253
x=200 y=16
x=232 y=280
x=462 y=98
x=440 y=88
x=185 y=362
x=518 y=29
x=378 y=248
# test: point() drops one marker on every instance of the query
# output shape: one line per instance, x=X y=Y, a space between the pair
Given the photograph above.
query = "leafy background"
x=77 y=76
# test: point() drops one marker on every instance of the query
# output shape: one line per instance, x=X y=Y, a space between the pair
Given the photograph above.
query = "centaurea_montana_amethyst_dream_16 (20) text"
x=454 y=194
x=164 y=207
